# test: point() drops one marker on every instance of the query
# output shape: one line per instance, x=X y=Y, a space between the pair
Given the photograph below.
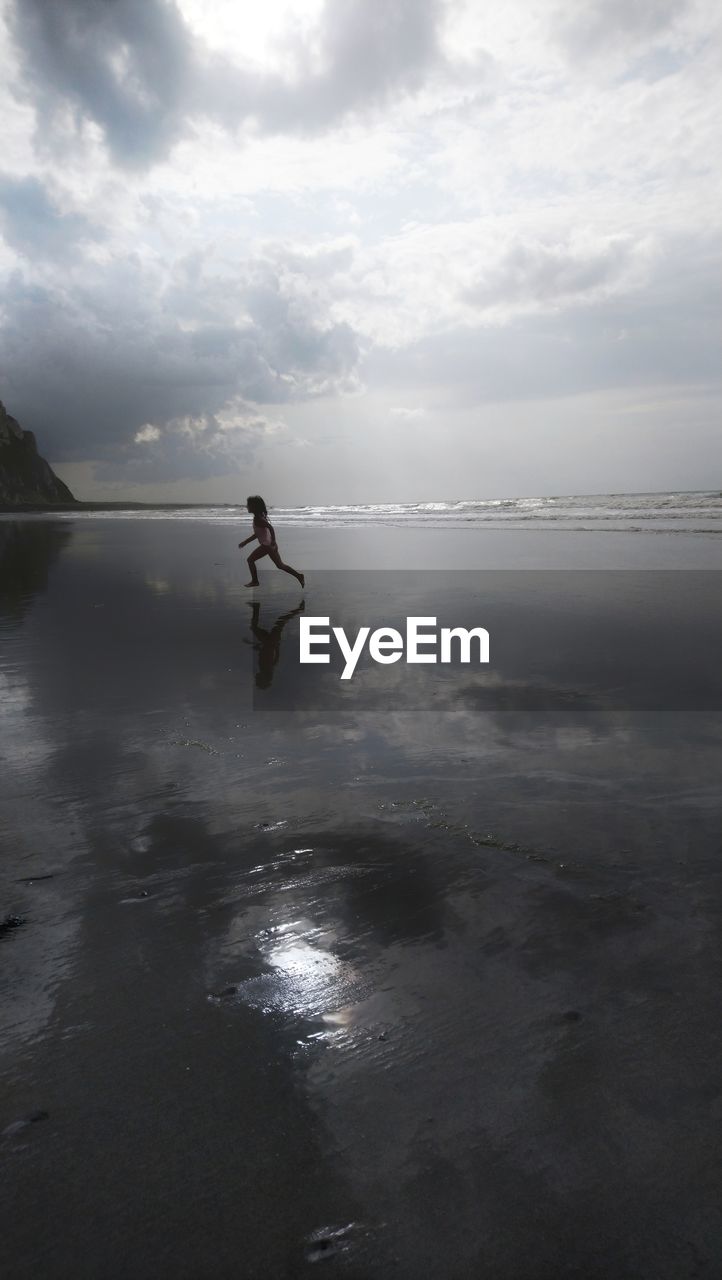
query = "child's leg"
x=275 y=555
x=254 y=556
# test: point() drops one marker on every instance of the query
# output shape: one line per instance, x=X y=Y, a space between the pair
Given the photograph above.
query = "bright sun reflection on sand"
x=302 y=962
x=303 y=977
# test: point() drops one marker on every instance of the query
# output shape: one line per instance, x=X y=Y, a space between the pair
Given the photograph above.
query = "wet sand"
x=416 y=989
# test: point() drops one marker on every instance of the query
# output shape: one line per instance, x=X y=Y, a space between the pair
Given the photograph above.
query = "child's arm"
x=247 y=540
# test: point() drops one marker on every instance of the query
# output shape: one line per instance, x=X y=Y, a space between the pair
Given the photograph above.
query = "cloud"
x=147 y=434
x=365 y=54
x=127 y=352
x=32 y=221
x=662 y=334
x=220 y=219
x=166 y=372
x=406 y=413
x=202 y=447
x=484 y=272
x=125 y=66
x=530 y=274
x=135 y=71
x=602 y=29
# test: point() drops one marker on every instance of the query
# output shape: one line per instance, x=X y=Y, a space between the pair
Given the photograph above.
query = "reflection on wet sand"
x=427 y=993
x=268 y=642
x=27 y=554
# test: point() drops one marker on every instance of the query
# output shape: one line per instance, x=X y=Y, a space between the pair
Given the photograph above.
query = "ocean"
x=694 y=512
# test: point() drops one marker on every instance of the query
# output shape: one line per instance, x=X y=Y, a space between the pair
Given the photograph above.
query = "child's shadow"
x=267 y=643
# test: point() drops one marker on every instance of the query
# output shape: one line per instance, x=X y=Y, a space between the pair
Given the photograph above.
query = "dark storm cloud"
x=197 y=449
x=133 y=68
x=32 y=223
x=126 y=65
x=87 y=373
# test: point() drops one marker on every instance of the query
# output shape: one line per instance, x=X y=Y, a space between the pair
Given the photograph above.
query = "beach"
x=415 y=974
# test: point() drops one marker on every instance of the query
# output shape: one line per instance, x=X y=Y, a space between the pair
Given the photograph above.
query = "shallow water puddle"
x=304 y=977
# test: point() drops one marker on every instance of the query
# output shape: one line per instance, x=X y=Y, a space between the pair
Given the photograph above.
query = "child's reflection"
x=267 y=643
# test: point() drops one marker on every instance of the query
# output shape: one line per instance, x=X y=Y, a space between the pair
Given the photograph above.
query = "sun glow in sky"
x=338 y=251
x=253 y=33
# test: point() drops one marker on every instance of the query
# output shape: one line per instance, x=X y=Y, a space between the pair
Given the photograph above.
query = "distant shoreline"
x=10 y=508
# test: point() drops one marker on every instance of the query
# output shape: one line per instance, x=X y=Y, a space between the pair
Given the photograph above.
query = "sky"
x=340 y=251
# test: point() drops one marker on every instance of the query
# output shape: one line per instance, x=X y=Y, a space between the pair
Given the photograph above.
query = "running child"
x=264 y=531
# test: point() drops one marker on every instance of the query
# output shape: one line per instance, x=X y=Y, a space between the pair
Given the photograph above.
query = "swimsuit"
x=264 y=531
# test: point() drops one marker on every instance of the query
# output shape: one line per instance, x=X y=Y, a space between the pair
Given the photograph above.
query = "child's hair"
x=256 y=505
